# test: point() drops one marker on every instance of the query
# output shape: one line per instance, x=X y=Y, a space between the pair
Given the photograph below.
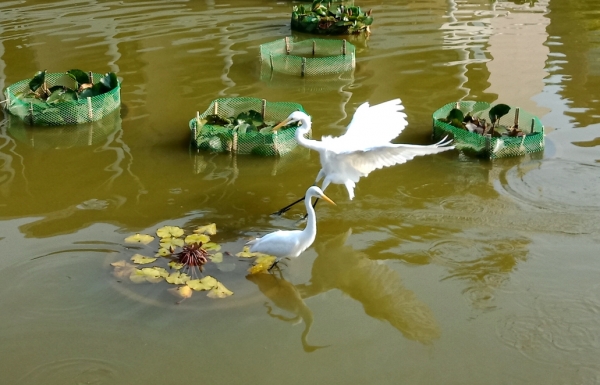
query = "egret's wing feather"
x=376 y=124
x=389 y=155
x=278 y=243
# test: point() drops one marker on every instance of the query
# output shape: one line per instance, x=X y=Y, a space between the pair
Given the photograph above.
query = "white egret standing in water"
x=291 y=243
x=364 y=147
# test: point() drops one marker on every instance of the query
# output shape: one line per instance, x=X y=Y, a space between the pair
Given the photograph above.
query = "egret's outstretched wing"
x=376 y=124
x=390 y=154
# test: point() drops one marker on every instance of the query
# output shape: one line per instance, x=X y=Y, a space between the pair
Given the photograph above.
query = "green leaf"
x=142 y=260
x=176 y=265
x=171 y=243
x=177 y=278
x=219 y=291
x=144 y=239
x=498 y=111
x=216 y=258
x=206 y=283
x=455 y=114
x=37 y=80
x=169 y=231
x=216 y=120
x=210 y=229
x=163 y=252
x=60 y=96
x=79 y=76
x=95 y=90
x=197 y=238
x=211 y=246
x=109 y=81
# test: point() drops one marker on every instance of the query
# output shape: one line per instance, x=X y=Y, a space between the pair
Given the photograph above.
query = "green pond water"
x=445 y=270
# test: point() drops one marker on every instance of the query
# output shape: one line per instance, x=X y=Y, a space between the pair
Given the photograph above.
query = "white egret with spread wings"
x=363 y=148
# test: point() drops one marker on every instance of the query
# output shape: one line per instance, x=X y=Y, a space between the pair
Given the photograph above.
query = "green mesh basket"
x=61 y=113
x=331 y=18
x=308 y=57
x=221 y=139
x=488 y=146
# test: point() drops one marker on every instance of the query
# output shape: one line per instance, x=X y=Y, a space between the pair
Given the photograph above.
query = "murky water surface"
x=445 y=270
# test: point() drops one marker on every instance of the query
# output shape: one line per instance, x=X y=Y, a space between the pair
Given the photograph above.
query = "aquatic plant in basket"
x=330 y=18
x=478 y=125
x=70 y=97
x=235 y=125
x=75 y=85
x=245 y=122
x=501 y=136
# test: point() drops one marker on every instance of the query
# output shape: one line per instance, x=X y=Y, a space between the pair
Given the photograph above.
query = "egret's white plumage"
x=364 y=147
x=291 y=243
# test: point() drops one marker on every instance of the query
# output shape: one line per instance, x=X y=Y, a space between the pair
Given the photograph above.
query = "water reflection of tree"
x=376 y=286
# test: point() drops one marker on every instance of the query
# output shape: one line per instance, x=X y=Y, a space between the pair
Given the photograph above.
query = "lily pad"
x=169 y=231
x=177 y=278
x=197 y=238
x=142 y=260
x=140 y=238
x=210 y=229
x=206 y=283
x=219 y=291
x=171 y=243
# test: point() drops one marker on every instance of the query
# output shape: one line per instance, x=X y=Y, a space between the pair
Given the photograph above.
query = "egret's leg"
x=286 y=208
x=273 y=265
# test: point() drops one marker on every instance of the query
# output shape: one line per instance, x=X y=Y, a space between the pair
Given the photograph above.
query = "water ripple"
x=573 y=185
x=73 y=371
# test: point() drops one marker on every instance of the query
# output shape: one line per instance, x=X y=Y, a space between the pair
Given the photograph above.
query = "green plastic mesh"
x=309 y=57
x=61 y=113
x=221 y=139
x=488 y=146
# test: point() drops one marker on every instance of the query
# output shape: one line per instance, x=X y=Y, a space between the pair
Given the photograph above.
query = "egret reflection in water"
x=286 y=297
x=376 y=286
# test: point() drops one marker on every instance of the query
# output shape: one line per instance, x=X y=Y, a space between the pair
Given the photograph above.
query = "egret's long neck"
x=308 y=143
x=310 y=231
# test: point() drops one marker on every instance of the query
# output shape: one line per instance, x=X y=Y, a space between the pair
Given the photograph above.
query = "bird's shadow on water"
x=286 y=297
x=376 y=286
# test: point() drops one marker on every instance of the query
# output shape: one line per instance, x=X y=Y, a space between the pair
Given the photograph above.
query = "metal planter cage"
x=223 y=139
x=61 y=113
x=488 y=146
x=309 y=57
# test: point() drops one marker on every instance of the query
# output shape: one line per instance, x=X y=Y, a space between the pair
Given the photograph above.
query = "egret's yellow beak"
x=282 y=124
x=327 y=199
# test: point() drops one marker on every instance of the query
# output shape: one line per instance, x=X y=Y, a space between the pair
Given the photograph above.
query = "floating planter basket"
x=498 y=145
x=248 y=128
x=308 y=57
x=38 y=112
x=331 y=18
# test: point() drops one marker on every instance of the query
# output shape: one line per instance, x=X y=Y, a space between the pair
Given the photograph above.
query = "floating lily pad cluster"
x=75 y=85
x=244 y=123
x=330 y=18
x=261 y=264
x=480 y=125
x=179 y=261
